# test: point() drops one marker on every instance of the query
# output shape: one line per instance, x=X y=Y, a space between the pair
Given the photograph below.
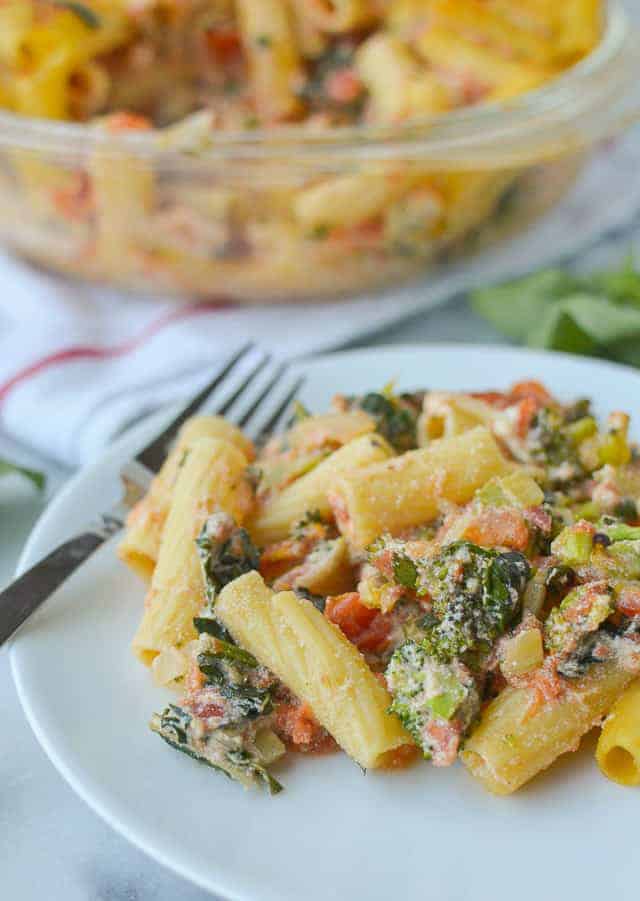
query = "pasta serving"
x=437 y=575
x=192 y=71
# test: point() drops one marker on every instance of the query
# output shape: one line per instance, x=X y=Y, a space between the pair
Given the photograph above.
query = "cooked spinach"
x=394 y=421
x=225 y=559
x=219 y=750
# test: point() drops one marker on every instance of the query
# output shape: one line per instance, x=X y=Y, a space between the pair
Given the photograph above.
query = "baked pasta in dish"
x=435 y=575
x=190 y=72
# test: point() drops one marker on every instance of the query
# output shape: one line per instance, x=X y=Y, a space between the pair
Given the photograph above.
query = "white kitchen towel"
x=78 y=363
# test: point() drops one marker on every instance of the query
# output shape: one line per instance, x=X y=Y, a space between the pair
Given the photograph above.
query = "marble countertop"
x=52 y=845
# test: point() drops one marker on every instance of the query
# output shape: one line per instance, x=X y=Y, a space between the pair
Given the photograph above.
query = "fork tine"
x=270 y=426
x=255 y=372
x=153 y=455
x=255 y=406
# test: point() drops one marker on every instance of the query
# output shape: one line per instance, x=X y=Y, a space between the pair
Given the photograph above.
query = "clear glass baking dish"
x=280 y=215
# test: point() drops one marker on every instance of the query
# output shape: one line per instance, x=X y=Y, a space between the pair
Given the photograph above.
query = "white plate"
x=334 y=833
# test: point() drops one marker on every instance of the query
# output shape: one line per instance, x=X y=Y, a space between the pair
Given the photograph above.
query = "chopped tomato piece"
x=499 y=527
x=297 y=726
x=349 y=613
x=119 y=122
x=343 y=86
x=445 y=741
x=531 y=389
x=367 y=628
x=400 y=758
x=74 y=202
x=629 y=601
x=527 y=409
x=223 y=43
x=205 y=709
x=494 y=398
x=376 y=636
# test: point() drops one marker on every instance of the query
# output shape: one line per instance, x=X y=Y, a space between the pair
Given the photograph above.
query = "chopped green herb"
x=476 y=595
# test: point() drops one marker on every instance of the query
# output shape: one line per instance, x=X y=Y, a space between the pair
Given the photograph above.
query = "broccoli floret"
x=226 y=552
x=436 y=702
x=551 y=444
x=476 y=595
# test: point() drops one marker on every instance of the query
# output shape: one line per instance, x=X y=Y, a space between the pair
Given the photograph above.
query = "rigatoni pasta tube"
x=329 y=429
x=409 y=490
x=397 y=86
x=313 y=658
x=212 y=478
x=271 y=49
x=511 y=746
x=349 y=200
x=124 y=192
x=618 y=751
x=309 y=492
x=139 y=549
x=444 y=415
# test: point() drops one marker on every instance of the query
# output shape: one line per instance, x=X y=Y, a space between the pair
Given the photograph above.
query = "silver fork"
x=27 y=593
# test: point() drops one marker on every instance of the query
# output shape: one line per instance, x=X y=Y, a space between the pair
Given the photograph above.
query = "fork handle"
x=27 y=593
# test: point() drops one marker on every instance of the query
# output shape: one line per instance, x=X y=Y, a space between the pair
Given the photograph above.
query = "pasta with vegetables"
x=426 y=575
x=183 y=75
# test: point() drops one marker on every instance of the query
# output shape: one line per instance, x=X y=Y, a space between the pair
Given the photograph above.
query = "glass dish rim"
x=562 y=103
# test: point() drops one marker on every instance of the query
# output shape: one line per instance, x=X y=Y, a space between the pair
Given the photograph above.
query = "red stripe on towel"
x=89 y=352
